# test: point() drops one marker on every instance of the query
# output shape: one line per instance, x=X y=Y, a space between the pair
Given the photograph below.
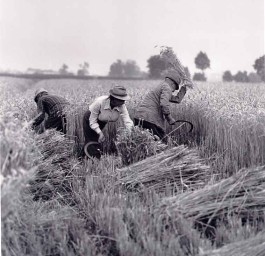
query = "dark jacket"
x=156 y=104
x=51 y=105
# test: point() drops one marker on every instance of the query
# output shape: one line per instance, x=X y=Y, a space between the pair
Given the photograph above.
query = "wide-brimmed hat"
x=119 y=92
x=38 y=91
x=173 y=75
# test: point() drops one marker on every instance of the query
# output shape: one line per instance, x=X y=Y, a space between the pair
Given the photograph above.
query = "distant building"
x=41 y=71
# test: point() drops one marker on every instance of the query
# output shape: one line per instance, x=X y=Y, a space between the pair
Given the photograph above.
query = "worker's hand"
x=101 y=137
x=30 y=124
x=188 y=85
x=170 y=120
x=156 y=138
x=27 y=125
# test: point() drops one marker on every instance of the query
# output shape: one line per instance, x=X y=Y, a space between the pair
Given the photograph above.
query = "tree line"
x=244 y=77
x=156 y=66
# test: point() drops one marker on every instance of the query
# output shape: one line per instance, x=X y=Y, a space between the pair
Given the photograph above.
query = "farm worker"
x=105 y=109
x=53 y=106
x=155 y=107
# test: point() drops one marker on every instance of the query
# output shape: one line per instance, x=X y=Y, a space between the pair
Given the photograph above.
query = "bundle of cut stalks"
x=174 y=63
x=53 y=144
x=242 y=194
x=179 y=168
x=137 y=145
x=254 y=246
x=57 y=166
x=74 y=117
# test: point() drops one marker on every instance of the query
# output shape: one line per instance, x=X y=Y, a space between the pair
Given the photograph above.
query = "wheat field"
x=203 y=194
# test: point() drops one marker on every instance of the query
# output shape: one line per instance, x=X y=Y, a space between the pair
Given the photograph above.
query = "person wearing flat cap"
x=105 y=109
x=154 y=110
x=50 y=105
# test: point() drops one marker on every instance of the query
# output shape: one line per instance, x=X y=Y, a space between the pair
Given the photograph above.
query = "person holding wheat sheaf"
x=154 y=110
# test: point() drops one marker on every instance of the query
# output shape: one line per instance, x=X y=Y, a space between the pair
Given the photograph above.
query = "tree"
x=83 y=69
x=199 y=77
x=241 y=77
x=254 y=78
x=64 y=69
x=131 y=69
x=259 y=65
x=156 y=66
x=116 y=69
x=125 y=69
x=227 y=76
x=202 y=61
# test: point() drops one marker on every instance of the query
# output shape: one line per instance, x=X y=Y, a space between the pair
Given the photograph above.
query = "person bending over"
x=53 y=106
x=104 y=109
x=154 y=110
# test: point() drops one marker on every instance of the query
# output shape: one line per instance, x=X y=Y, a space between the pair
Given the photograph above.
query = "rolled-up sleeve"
x=93 y=119
x=127 y=121
x=165 y=98
x=179 y=97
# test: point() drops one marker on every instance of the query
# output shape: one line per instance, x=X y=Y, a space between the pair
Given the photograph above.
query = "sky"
x=47 y=33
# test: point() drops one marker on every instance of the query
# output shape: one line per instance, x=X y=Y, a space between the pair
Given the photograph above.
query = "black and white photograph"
x=132 y=127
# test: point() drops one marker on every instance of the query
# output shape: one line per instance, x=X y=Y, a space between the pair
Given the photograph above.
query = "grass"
x=229 y=124
x=81 y=212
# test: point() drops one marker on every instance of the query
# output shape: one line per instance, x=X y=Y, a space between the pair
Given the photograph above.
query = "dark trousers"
x=56 y=122
x=150 y=126
x=91 y=136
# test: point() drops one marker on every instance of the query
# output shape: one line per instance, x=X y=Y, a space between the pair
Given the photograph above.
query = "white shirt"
x=101 y=110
